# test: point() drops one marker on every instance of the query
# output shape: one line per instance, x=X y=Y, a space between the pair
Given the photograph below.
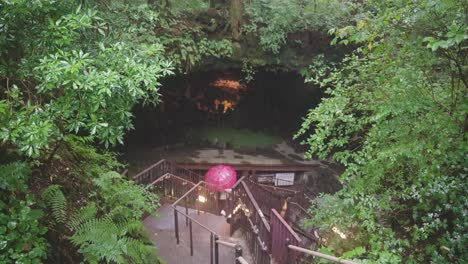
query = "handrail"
x=191 y=218
x=276 y=195
x=320 y=255
x=165 y=176
x=286 y=225
x=176 y=165
x=255 y=204
x=187 y=193
x=174 y=205
x=238 y=182
x=148 y=169
x=226 y=243
x=301 y=208
x=173 y=165
x=276 y=187
x=242 y=260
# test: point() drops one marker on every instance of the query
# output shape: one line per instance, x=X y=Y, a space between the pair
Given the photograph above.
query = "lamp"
x=201 y=199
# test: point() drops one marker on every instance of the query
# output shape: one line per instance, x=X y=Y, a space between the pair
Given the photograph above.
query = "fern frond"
x=84 y=214
x=55 y=199
x=138 y=250
x=102 y=239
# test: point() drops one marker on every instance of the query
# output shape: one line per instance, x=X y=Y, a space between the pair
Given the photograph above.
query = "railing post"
x=172 y=189
x=211 y=248
x=191 y=238
x=186 y=211
x=217 y=197
x=288 y=251
x=238 y=249
x=216 y=249
x=176 y=223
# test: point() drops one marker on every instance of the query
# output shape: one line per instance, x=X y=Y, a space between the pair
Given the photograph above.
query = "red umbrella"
x=220 y=177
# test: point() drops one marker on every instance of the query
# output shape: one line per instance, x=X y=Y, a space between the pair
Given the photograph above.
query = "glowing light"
x=228 y=84
x=337 y=231
x=201 y=199
x=236 y=209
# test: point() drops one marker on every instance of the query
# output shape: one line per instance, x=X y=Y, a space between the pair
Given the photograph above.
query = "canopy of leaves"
x=396 y=116
x=65 y=69
x=273 y=20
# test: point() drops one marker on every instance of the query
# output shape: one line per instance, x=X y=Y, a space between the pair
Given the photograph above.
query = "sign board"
x=266 y=178
x=284 y=179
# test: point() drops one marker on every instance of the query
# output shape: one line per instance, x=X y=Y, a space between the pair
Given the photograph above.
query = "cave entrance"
x=214 y=117
x=204 y=108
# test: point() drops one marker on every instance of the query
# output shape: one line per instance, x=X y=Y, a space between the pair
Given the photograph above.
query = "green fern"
x=55 y=199
x=83 y=215
x=104 y=240
x=108 y=230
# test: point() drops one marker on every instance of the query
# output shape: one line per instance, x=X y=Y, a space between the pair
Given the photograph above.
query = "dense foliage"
x=67 y=70
x=108 y=228
x=21 y=236
x=395 y=114
x=396 y=117
x=72 y=68
x=272 y=21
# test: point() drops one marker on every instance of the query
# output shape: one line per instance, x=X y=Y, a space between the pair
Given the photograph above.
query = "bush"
x=21 y=236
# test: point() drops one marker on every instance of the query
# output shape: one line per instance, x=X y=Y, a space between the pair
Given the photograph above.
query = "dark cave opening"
x=273 y=103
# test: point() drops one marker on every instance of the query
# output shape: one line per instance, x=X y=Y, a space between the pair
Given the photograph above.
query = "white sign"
x=265 y=178
x=284 y=179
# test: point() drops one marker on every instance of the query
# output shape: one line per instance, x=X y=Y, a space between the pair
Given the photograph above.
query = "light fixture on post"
x=201 y=199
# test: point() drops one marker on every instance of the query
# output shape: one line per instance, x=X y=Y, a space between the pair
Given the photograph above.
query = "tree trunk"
x=236 y=17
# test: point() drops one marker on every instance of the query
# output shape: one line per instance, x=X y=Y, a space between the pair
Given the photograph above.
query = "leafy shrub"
x=394 y=115
x=21 y=236
x=86 y=156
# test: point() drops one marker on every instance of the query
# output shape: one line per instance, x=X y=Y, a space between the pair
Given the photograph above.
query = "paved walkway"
x=161 y=230
x=141 y=157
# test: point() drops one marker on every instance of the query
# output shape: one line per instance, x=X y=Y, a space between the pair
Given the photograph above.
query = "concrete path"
x=161 y=230
x=140 y=157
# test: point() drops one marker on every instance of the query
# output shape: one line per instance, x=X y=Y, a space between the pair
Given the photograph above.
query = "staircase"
x=255 y=210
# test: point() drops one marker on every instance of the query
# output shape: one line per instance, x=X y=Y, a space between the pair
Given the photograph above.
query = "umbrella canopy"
x=220 y=177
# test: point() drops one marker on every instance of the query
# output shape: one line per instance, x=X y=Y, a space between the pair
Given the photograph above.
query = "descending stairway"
x=162 y=230
x=210 y=240
x=251 y=208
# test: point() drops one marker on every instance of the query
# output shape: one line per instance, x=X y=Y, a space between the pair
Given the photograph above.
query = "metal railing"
x=246 y=215
x=238 y=251
x=208 y=204
x=318 y=254
x=162 y=167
